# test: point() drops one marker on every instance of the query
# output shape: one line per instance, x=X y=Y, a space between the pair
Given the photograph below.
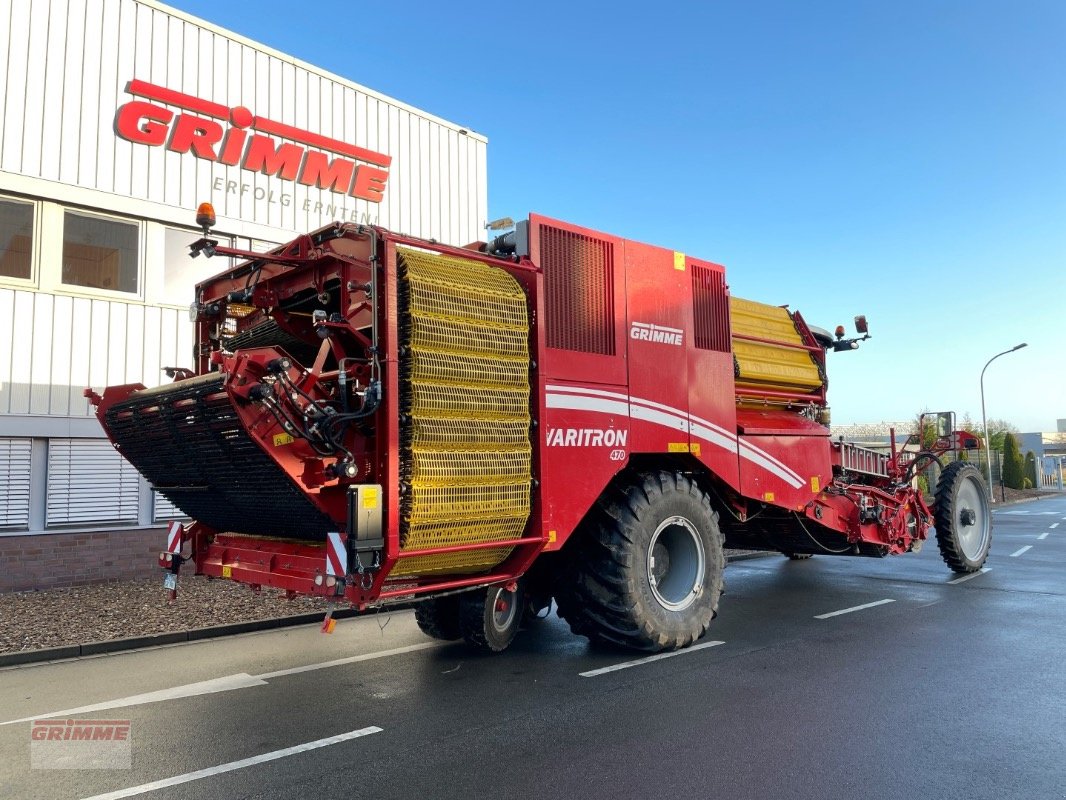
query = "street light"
x=984 y=421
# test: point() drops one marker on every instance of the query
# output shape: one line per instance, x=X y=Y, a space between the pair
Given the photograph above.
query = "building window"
x=15 y=478
x=16 y=239
x=89 y=483
x=100 y=253
x=180 y=272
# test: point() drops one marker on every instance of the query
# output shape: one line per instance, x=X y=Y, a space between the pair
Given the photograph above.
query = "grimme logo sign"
x=645 y=332
x=250 y=141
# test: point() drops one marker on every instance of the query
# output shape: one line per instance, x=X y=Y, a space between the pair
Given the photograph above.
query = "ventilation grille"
x=579 y=283
x=710 y=309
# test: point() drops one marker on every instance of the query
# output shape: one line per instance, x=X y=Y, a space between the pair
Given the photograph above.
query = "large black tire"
x=439 y=617
x=489 y=618
x=645 y=569
x=963 y=519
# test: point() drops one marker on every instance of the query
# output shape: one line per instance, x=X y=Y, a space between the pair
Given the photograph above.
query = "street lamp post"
x=984 y=421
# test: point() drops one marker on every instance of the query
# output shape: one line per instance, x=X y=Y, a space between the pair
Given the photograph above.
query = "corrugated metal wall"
x=68 y=63
x=52 y=347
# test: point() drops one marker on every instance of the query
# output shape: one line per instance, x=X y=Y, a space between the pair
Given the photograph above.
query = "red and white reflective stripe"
x=336 y=556
x=174 y=531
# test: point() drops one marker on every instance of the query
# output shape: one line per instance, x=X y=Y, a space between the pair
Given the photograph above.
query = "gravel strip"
x=103 y=611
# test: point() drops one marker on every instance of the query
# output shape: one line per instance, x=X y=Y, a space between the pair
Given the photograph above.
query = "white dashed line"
x=962 y=578
x=592 y=673
x=273 y=755
x=853 y=608
x=1054 y=525
x=1042 y=536
x=1021 y=550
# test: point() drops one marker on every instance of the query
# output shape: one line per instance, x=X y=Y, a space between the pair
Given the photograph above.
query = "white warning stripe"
x=174 y=530
x=336 y=556
x=605 y=402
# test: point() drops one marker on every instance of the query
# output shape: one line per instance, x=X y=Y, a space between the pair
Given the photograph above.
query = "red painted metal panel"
x=785 y=471
x=659 y=335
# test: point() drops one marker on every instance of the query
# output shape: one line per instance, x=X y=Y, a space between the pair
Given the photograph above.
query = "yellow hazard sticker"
x=370 y=498
x=815 y=485
x=553 y=536
x=679 y=261
x=694 y=448
x=227 y=572
x=768 y=497
x=282 y=439
x=677 y=447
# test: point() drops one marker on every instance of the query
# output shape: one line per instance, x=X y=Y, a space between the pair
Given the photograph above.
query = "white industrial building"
x=119 y=117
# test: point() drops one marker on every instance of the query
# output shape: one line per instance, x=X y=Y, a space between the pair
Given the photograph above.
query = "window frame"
x=35 y=245
x=52 y=255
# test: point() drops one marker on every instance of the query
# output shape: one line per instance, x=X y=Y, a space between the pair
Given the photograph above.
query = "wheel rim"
x=677 y=564
x=504 y=609
x=971 y=520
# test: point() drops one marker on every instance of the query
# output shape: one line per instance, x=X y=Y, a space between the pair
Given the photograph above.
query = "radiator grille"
x=710 y=309
x=464 y=375
x=579 y=284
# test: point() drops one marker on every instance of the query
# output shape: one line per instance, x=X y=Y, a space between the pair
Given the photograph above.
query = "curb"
x=159 y=639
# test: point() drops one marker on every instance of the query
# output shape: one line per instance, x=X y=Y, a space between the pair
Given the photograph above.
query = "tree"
x=1013 y=466
x=997 y=431
x=1030 y=467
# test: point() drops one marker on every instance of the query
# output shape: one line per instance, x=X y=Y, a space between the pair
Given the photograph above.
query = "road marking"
x=1054 y=525
x=592 y=673
x=224 y=684
x=273 y=755
x=1021 y=550
x=962 y=578
x=853 y=608
x=1043 y=535
x=413 y=648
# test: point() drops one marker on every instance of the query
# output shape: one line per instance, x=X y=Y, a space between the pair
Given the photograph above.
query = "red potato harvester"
x=555 y=414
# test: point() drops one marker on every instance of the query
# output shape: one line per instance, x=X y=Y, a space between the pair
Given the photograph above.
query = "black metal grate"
x=188 y=441
x=710 y=309
x=579 y=284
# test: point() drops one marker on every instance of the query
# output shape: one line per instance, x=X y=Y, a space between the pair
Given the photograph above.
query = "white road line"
x=224 y=684
x=273 y=755
x=1054 y=525
x=413 y=648
x=1021 y=550
x=592 y=673
x=963 y=578
x=853 y=608
x=1043 y=535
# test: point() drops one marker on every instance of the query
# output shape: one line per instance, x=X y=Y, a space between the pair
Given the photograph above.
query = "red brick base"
x=44 y=561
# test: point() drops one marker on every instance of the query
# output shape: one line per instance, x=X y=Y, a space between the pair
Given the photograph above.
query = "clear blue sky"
x=905 y=160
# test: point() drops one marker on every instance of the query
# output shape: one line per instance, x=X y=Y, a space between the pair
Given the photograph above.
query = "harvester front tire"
x=489 y=618
x=645 y=570
x=439 y=617
x=963 y=519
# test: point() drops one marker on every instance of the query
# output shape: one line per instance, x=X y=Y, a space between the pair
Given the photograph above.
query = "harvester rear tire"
x=489 y=618
x=439 y=617
x=963 y=519
x=645 y=570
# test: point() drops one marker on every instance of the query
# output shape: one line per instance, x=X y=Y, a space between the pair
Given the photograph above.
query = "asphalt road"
x=951 y=690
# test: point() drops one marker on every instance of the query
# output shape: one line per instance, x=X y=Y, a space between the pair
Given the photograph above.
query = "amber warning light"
x=205 y=217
